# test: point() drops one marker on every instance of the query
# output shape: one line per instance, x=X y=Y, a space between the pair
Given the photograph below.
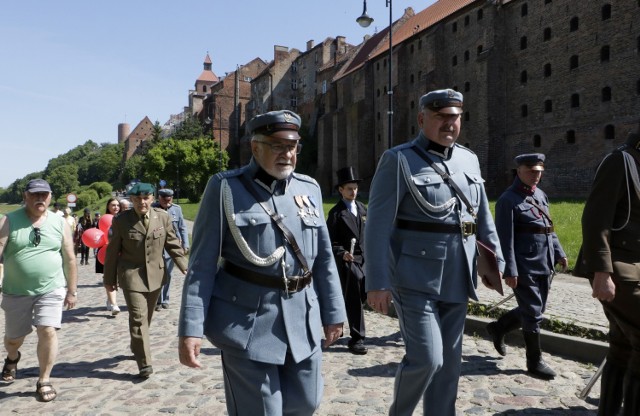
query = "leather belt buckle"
x=292 y=284
x=468 y=228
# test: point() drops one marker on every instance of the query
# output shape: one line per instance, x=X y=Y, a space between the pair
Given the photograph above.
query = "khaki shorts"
x=22 y=313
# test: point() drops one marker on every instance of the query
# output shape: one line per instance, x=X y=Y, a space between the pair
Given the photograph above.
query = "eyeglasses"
x=36 y=236
x=282 y=148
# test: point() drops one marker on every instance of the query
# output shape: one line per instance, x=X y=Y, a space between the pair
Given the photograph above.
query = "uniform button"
x=315 y=222
x=423 y=252
x=253 y=221
x=281 y=216
x=288 y=266
x=428 y=180
x=234 y=298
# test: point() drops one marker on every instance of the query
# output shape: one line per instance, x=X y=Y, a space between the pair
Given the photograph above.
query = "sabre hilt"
x=353 y=246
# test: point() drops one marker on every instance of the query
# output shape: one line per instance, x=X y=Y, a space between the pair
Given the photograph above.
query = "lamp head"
x=365 y=20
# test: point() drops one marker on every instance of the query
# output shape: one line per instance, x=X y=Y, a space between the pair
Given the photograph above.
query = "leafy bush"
x=87 y=198
x=102 y=188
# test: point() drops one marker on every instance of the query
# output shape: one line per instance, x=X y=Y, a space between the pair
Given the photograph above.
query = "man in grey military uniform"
x=165 y=202
x=250 y=292
x=531 y=249
x=422 y=251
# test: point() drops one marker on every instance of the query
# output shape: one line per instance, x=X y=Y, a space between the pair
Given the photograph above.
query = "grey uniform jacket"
x=526 y=253
x=442 y=265
x=248 y=320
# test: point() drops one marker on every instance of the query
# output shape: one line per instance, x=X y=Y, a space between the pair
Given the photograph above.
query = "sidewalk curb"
x=575 y=348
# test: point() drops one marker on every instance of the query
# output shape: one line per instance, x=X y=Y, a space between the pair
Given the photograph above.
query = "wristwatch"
x=74 y=294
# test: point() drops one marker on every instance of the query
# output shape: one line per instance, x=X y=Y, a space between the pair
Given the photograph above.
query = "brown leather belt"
x=294 y=283
x=467 y=228
x=533 y=229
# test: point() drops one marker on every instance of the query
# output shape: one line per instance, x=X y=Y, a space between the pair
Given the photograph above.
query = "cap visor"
x=450 y=110
x=285 y=134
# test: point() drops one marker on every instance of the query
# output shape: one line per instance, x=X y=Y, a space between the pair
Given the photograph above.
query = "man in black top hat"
x=346 y=228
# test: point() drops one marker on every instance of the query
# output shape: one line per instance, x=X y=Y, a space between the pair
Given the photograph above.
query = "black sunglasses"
x=36 y=236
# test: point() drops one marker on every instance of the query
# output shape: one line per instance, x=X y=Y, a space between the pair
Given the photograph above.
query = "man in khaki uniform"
x=134 y=262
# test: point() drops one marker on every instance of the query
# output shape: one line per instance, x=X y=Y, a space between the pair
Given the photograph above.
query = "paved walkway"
x=95 y=373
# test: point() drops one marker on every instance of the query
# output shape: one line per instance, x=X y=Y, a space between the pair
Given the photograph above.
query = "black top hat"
x=346 y=175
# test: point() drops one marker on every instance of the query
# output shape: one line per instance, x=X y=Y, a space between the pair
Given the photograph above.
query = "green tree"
x=86 y=198
x=189 y=129
x=134 y=168
x=156 y=134
x=63 y=179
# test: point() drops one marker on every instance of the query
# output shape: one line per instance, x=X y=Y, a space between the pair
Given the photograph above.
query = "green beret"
x=141 y=189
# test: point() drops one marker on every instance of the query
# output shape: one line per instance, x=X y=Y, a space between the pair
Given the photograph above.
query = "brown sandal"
x=45 y=391
x=9 y=374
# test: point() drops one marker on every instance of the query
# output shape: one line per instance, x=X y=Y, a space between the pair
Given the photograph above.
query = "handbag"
x=487 y=260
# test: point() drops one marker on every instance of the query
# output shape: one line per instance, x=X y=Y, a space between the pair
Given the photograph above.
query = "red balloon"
x=101 y=254
x=93 y=237
x=105 y=223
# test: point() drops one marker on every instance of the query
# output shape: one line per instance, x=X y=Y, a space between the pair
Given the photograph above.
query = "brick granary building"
x=558 y=77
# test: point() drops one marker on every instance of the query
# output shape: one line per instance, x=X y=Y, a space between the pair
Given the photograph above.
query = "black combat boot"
x=535 y=363
x=631 y=395
x=498 y=329
x=611 y=388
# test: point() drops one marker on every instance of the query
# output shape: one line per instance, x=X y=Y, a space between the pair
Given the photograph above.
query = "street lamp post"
x=365 y=20
x=209 y=121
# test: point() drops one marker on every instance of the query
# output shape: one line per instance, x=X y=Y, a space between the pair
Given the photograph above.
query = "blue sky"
x=71 y=70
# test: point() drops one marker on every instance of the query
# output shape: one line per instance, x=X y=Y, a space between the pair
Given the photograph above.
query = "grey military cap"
x=283 y=124
x=442 y=101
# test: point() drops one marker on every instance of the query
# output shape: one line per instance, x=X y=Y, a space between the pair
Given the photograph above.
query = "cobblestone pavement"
x=95 y=373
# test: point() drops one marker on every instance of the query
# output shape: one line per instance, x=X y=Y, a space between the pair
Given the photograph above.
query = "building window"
x=548 y=106
x=523 y=77
x=467 y=86
x=573 y=62
x=523 y=43
x=606 y=12
x=546 y=34
x=466 y=20
x=454 y=60
x=574 y=23
x=294 y=67
x=466 y=56
x=609 y=132
x=294 y=84
x=412 y=104
x=575 y=100
x=466 y=116
x=384 y=63
x=604 y=53
x=606 y=94
x=377 y=66
x=480 y=14
x=454 y=27
x=413 y=130
x=378 y=115
x=524 y=10
x=479 y=50
x=524 y=110
x=547 y=1
x=324 y=86
x=571 y=136
x=411 y=78
x=547 y=70
x=537 y=141
x=411 y=48
x=294 y=102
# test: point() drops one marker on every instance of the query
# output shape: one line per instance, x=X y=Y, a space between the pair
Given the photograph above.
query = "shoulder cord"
x=447 y=179
x=424 y=205
x=237 y=235
x=277 y=220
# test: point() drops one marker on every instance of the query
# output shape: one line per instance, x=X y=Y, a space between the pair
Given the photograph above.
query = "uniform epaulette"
x=229 y=173
x=464 y=148
x=305 y=178
x=403 y=146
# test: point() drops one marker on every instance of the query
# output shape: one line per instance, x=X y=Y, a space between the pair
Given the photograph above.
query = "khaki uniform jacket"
x=134 y=255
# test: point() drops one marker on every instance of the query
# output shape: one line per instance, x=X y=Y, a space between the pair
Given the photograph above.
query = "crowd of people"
x=270 y=283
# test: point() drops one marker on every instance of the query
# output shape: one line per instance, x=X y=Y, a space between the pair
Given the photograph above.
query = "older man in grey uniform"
x=165 y=196
x=531 y=249
x=262 y=281
x=422 y=251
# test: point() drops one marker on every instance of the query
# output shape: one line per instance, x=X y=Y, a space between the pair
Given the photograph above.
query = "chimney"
x=309 y=45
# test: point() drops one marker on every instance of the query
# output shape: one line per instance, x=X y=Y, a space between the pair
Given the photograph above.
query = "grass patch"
x=4 y=208
x=551 y=325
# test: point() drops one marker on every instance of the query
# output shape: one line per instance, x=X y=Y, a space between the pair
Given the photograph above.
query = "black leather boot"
x=631 y=395
x=535 y=363
x=498 y=329
x=611 y=388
